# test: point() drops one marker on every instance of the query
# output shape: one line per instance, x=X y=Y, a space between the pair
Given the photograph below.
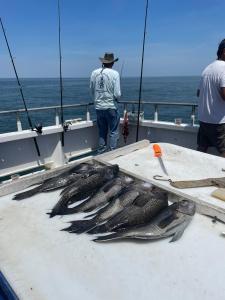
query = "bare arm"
x=198 y=92
x=222 y=92
x=222 y=86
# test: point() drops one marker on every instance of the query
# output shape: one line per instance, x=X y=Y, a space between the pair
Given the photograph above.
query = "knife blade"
x=158 y=154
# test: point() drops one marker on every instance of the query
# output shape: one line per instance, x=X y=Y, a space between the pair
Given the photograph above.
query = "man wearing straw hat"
x=211 y=107
x=105 y=89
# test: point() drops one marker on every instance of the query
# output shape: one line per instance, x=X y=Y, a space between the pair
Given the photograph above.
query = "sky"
x=181 y=39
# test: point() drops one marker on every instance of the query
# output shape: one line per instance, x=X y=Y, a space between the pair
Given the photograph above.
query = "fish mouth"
x=115 y=169
x=186 y=207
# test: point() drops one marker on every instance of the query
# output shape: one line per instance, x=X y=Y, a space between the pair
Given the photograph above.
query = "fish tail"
x=180 y=230
x=109 y=237
x=66 y=229
x=62 y=212
x=27 y=194
x=52 y=214
x=81 y=226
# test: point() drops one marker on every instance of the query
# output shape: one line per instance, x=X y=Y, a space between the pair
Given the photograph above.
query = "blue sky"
x=182 y=36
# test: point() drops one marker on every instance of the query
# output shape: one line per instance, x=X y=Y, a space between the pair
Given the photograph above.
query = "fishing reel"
x=66 y=126
x=38 y=128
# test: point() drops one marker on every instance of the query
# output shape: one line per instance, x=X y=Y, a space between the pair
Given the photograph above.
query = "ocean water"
x=46 y=92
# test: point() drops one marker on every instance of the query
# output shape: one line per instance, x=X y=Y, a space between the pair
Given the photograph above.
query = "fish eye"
x=184 y=203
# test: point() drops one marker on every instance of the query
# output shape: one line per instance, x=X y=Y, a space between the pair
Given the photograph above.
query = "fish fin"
x=108 y=186
x=98 y=229
x=167 y=220
x=90 y=215
x=62 y=191
x=178 y=234
x=103 y=208
x=109 y=237
x=82 y=196
x=80 y=226
x=64 y=209
x=27 y=194
x=50 y=189
x=88 y=209
x=66 y=189
x=121 y=192
x=81 y=207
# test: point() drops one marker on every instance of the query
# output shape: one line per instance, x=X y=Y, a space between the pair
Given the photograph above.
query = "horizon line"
x=76 y=77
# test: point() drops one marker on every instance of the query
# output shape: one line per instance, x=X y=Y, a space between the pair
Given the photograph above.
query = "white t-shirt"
x=105 y=88
x=211 y=107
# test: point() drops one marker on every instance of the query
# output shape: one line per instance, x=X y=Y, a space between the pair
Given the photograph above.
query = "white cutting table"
x=42 y=262
x=181 y=164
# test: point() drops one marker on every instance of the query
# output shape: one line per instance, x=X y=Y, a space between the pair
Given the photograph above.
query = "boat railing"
x=156 y=106
x=18 y=112
x=156 y=109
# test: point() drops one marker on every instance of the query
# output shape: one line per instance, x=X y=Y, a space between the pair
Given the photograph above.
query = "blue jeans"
x=108 y=119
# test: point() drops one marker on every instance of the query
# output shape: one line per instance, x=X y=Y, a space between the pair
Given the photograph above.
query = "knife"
x=158 y=154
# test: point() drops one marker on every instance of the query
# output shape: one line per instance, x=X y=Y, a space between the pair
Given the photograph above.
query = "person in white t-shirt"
x=105 y=89
x=211 y=107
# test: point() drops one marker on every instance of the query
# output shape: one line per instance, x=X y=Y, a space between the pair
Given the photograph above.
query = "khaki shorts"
x=211 y=135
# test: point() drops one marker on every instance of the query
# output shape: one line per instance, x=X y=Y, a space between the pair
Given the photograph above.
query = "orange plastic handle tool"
x=157 y=150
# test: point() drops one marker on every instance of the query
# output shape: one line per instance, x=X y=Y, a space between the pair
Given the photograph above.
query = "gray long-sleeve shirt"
x=105 y=88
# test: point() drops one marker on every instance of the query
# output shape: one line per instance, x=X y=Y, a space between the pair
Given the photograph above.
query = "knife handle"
x=157 y=150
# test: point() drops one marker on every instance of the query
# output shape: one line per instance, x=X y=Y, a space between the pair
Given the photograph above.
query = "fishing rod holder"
x=38 y=128
x=68 y=123
x=133 y=116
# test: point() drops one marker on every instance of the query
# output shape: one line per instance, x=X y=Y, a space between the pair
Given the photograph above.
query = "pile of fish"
x=120 y=206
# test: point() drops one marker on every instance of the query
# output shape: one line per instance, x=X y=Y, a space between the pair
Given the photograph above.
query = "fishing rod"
x=125 y=129
x=65 y=127
x=21 y=92
x=121 y=70
x=142 y=62
x=121 y=73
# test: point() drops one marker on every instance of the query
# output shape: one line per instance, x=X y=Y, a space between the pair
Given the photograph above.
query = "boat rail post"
x=57 y=117
x=143 y=110
x=18 y=122
x=156 y=115
x=193 y=115
x=88 y=117
x=124 y=108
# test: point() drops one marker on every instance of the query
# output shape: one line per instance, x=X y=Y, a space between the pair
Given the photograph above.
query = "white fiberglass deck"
x=42 y=262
